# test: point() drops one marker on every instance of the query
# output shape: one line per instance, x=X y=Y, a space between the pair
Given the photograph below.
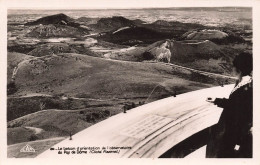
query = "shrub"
x=148 y=56
x=201 y=78
x=33 y=137
x=106 y=113
x=11 y=88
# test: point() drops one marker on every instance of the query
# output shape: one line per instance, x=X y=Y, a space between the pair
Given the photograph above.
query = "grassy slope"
x=18 y=135
x=114 y=82
x=68 y=121
x=13 y=59
x=74 y=74
x=202 y=55
x=51 y=48
x=55 y=123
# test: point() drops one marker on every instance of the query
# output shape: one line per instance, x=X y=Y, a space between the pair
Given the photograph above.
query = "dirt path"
x=195 y=70
x=44 y=140
x=35 y=129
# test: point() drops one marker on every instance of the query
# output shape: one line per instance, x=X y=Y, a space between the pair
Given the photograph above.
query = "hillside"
x=51 y=48
x=113 y=23
x=135 y=35
x=87 y=21
x=91 y=76
x=162 y=23
x=191 y=51
x=13 y=59
x=14 y=135
x=81 y=90
x=59 y=25
x=197 y=54
x=138 y=21
x=217 y=36
x=57 y=48
x=70 y=121
x=149 y=32
x=205 y=35
x=175 y=28
x=52 y=30
x=60 y=19
x=93 y=82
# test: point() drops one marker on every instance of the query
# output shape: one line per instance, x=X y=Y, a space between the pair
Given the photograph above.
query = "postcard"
x=105 y=81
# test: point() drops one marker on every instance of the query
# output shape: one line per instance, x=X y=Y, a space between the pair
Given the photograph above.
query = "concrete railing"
x=147 y=131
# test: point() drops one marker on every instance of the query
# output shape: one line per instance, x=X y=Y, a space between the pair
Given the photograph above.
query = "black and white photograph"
x=117 y=81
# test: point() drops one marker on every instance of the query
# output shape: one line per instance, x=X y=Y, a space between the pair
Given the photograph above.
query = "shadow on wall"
x=189 y=145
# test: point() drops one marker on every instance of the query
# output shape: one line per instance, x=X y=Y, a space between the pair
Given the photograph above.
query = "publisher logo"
x=27 y=148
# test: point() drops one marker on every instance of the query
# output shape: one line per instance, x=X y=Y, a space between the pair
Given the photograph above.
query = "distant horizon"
x=11 y=11
x=210 y=16
x=133 y=8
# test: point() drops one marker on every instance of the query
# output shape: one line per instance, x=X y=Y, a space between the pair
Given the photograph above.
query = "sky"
x=114 y=4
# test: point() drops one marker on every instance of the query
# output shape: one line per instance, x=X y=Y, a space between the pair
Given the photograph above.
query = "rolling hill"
x=197 y=54
x=135 y=35
x=217 y=36
x=75 y=73
x=52 y=48
x=139 y=30
x=60 y=19
x=87 y=21
x=52 y=30
x=110 y=24
x=57 y=48
x=59 y=25
x=13 y=59
x=81 y=90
